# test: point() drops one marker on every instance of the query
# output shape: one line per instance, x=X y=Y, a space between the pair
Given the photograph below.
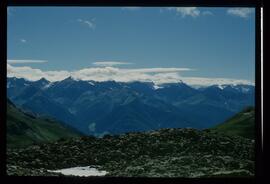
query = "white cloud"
x=156 y=75
x=23 y=40
x=110 y=63
x=21 y=61
x=160 y=70
x=240 y=12
x=127 y=75
x=189 y=11
x=35 y=74
x=88 y=23
x=186 y=11
x=202 y=81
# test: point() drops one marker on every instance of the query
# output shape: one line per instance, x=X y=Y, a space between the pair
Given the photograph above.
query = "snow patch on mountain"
x=156 y=87
x=91 y=83
x=48 y=85
x=221 y=87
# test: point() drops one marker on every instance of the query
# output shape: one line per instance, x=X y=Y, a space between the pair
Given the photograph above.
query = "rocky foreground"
x=162 y=153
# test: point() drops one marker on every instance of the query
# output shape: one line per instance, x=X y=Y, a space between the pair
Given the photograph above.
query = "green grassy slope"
x=242 y=124
x=24 y=129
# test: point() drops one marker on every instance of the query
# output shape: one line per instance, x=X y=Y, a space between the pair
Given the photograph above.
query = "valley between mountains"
x=110 y=107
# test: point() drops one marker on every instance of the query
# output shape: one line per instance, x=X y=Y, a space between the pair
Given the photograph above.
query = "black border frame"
x=259 y=172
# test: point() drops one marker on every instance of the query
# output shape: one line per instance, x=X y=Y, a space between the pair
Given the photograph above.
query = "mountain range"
x=98 y=108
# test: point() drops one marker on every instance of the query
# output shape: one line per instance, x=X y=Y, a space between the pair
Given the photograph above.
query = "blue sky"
x=211 y=42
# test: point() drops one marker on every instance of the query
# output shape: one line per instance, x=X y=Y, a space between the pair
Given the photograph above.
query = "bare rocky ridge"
x=162 y=153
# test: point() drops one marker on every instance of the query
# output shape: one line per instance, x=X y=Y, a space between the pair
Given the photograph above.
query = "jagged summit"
x=70 y=78
x=43 y=79
x=42 y=82
x=197 y=85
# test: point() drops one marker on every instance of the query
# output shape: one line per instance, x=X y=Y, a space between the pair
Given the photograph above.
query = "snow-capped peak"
x=71 y=78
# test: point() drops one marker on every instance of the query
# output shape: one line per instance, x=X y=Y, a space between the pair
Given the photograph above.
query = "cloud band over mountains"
x=156 y=75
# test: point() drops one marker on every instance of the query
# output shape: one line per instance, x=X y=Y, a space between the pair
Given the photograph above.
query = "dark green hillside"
x=242 y=124
x=24 y=129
